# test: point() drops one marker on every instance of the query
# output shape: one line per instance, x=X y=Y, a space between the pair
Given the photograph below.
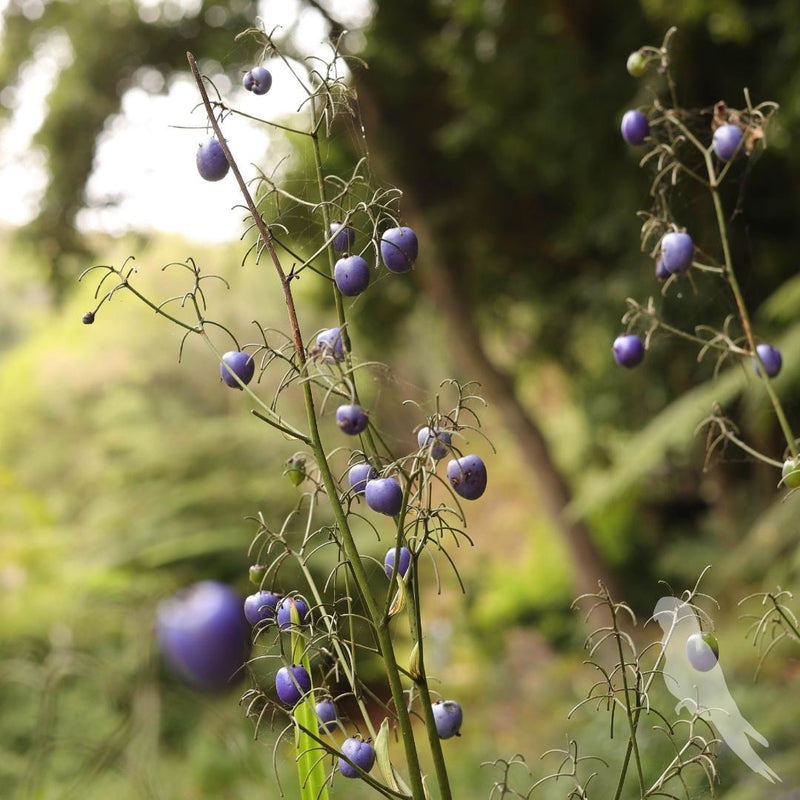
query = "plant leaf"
x=390 y=776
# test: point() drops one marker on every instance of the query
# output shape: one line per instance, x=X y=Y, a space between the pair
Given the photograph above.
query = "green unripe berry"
x=637 y=64
x=295 y=470
x=257 y=573
x=791 y=473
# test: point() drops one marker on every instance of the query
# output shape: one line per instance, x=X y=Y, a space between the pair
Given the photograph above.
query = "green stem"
x=730 y=275
x=629 y=713
x=751 y=451
x=347 y=668
x=337 y=297
x=421 y=681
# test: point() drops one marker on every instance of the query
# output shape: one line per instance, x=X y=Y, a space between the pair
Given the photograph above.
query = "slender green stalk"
x=310 y=771
x=629 y=712
x=347 y=667
x=421 y=681
x=730 y=275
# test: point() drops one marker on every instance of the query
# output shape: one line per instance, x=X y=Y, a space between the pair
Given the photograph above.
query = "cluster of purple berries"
x=677 y=248
x=467 y=476
x=203 y=632
x=210 y=159
x=351 y=273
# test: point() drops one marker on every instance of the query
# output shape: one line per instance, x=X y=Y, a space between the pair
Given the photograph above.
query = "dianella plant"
x=667 y=750
x=304 y=645
x=693 y=155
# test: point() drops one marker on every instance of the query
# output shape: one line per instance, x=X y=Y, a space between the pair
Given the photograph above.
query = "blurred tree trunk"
x=444 y=284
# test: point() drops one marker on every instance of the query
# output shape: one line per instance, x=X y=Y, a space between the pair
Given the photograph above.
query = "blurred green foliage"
x=125 y=475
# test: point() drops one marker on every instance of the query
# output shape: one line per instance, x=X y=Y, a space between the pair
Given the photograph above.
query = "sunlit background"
x=129 y=471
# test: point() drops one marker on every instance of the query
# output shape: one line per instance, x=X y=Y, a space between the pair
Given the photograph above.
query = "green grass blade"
x=310 y=761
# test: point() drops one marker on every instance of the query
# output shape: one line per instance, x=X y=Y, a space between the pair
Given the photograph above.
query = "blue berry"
x=448 y=717
x=326 y=715
x=241 y=364
x=628 y=350
x=389 y=561
x=291 y=683
x=203 y=635
x=771 y=357
x=351 y=275
x=260 y=606
x=261 y=80
x=399 y=249
x=726 y=141
x=330 y=344
x=467 y=476
x=677 y=249
x=437 y=439
x=634 y=127
x=344 y=237
x=384 y=495
x=362 y=754
x=211 y=162
x=351 y=419
x=359 y=475
x=284 y=612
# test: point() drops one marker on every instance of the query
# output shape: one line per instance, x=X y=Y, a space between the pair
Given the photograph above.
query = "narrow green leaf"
x=390 y=776
x=399 y=600
x=310 y=763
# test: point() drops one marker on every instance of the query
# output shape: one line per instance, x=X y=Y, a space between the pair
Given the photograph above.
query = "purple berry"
x=702 y=651
x=203 y=634
x=211 y=162
x=467 y=476
x=291 y=683
x=628 y=350
x=448 y=717
x=330 y=344
x=351 y=275
x=677 y=249
x=326 y=715
x=344 y=237
x=437 y=439
x=351 y=419
x=389 y=560
x=634 y=127
x=260 y=606
x=241 y=364
x=384 y=495
x=771 y=357
x=261 y=80
x=362 y=754
x=662 y=273
x=359 y=475
x=399 y=248
x=284 y=611
x=726 y=141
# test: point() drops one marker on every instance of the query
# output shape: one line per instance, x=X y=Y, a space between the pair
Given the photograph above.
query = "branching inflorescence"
x=309 y=642
x=699 y=151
